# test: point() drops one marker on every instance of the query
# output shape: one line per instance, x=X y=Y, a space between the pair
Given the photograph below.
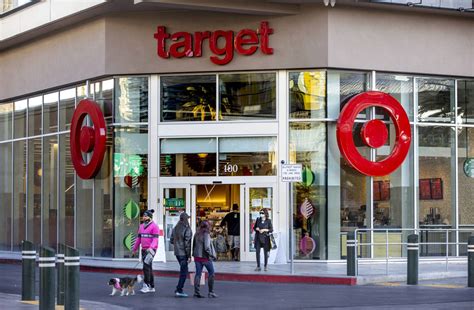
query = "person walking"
x=148 y=235
x=263 y=227
x=181 y=241
x=232 y=222
x=204 y=253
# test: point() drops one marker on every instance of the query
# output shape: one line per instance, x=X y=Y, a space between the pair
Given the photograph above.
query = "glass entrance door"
x=174 y=199
x=257 y=197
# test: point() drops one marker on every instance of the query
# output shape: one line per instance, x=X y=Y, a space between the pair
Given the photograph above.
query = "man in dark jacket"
x=181 y=239
x=232 y=222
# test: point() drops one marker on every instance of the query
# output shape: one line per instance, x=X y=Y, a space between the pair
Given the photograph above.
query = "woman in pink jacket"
x=148 y=235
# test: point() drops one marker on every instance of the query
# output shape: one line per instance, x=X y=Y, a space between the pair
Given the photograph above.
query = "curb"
x=237 y=277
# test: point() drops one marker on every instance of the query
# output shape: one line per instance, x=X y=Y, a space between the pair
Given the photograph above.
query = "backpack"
x=221 y=246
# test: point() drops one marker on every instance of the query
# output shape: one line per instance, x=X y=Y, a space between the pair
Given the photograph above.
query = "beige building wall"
x=318 y=37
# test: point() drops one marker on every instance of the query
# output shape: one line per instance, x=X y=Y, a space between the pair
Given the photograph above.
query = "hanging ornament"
x=129 y=241
x=307 y=176
x=307 y=245
x=306 y=209
x=131 y=210
x=132 y=181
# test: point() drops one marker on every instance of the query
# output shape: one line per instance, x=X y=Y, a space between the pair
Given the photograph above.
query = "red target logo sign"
x=86 y=139
x=374 y=133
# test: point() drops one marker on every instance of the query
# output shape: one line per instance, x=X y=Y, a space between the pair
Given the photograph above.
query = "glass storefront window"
x=6 y=121
x=188 y=98
x=130 y=170
x=465 y=101
x=35 y=173
x=35 y=109
x=131 y=100
x=67 y=102
x=50 y=191
x=84 y=207
x=342 y=86
x=66 y=192
x=103 y=95
x=308 y=147
x=466 y=176
x=188 y=157
x=247 y=156
x=50 y=113
x=19 y=116
x=19 y=193
x=307 y=94
x=435 y=185
x=6 y=192
x=247 y=96
x=400 y=87
x=435 y=100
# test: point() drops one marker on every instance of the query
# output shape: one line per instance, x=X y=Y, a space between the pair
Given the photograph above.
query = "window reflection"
x=435 y=100
x=307 y=94
x=188 y=98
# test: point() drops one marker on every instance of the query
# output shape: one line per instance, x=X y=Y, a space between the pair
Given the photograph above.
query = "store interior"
x=213 y=202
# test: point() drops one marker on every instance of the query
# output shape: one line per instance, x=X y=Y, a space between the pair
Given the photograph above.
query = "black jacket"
x=181 y=239
x=263 y=238
x=203 y=247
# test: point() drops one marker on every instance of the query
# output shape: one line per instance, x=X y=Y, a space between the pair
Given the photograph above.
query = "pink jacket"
x=147 y=236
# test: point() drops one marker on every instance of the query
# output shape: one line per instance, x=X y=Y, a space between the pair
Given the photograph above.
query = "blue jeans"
x=183 y=272
x=199 y=266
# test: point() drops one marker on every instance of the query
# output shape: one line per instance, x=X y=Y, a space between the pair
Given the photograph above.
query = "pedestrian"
x=204 y=253
x=148 y=235
x=232 y=222
x=263 y=227
x=181 y=240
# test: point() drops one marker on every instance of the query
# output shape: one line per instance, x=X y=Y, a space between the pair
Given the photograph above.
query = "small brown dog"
x=124 y=285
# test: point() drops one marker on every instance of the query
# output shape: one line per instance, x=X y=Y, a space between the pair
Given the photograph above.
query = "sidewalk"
x=304 y=272
x=12 y=301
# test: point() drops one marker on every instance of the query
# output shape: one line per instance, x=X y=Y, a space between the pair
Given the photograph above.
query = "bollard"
x=47 y=280
x=470 y=262
x=351 y=254
x=71 y=268
x=28 y=264
x=413 y=248
x=60 y=275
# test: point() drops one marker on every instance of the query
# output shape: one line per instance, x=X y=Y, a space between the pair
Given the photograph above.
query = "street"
x=242 y=295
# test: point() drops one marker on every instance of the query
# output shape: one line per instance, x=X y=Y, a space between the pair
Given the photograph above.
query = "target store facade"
x=110 y=109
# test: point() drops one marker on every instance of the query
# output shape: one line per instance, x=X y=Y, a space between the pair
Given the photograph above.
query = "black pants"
x=258 y=246
x=148 y=272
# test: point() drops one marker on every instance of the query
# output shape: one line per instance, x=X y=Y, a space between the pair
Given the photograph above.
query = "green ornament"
x=131 y=210
x=129 y=241
x=307 y=176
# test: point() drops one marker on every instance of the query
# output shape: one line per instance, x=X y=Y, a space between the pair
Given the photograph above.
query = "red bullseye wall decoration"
x=374 y=133
x=86 y=139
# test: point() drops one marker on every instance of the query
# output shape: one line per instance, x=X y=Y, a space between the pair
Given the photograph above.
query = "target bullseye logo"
x=374 y=133
x=87 y=139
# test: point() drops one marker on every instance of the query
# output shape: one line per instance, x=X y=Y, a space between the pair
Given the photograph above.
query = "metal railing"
x=451 y=239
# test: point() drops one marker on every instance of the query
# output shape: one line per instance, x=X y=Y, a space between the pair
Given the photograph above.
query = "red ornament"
x=88 y=139
x=374 y=133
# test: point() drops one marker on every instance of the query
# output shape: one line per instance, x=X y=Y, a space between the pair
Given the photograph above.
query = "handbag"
x=273 y=244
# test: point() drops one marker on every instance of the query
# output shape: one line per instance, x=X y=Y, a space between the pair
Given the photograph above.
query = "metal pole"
x=60 y=274
x=470 y=262
x=292 y=244
x=71 y=266
x=28 y=264
x=413 y=248
x=47 y=280
x=351 y=254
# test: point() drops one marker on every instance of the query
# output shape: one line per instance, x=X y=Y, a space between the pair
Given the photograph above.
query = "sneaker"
x=212 y=295
x=145 y=289
x=180 y=294
x=151 y=290
x=265 y=268
x=258 y=269
x=198 y=295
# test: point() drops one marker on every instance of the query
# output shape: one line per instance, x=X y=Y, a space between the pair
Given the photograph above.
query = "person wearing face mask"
x=263 y=227
x=148 y=235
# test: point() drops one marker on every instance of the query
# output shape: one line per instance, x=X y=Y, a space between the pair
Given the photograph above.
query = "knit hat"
x=149 y=213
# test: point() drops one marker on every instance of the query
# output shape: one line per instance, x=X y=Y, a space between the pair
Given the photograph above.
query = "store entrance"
x=220 y=205
x=212 y=202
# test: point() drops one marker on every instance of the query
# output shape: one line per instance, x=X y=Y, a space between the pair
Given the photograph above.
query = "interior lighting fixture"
x=412 y=4
x=329 y=2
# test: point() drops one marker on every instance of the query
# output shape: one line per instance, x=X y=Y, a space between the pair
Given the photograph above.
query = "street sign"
x=291 y=172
